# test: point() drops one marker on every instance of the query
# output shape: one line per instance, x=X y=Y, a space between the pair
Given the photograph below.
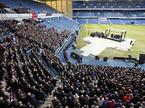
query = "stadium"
x=72 y=53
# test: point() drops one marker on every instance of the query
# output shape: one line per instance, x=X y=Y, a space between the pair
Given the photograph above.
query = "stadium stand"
x=34 y=6
x=26 y=80
x=108 y=4
x=109 y=9
x=109 y=14
x=30 y=68
x=40 y=33
x=29 y=6
x=100 y=87
x=140 y=21
x=62 y=23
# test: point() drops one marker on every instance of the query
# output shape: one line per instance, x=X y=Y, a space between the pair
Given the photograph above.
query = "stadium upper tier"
x=109 y=4
x=92 y=10
x=28 y=6
x=34 y=6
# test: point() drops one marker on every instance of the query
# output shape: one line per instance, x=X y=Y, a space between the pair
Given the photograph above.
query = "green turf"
x=136 y=32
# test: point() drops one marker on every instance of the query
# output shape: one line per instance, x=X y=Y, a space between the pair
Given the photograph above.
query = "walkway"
x=50 y=97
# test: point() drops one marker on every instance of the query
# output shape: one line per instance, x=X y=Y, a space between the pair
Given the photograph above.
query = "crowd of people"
x=28 y=63
x=30 y=29
x=88 y=86
x=25 y=80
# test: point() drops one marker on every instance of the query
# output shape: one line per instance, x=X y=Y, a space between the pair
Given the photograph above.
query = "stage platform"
x=97 y=45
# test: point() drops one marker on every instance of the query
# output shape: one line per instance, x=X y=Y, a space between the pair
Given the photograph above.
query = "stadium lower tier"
x=110 y=21
x=105 y=13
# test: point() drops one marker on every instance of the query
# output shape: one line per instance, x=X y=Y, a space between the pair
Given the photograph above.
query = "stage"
x=97 y=45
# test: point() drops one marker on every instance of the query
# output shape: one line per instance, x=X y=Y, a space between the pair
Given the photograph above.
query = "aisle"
x=48 y=101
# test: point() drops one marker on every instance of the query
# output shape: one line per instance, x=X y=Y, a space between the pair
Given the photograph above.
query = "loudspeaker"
x=97 y=57
x=75 y=56
x=129 y=57
x=141 y=58
x=77 y=32
x=93 y=34
x=105 y=58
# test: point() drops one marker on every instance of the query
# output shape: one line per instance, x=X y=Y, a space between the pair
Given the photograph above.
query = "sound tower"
x=97 y=57
x=141 y=58
x=77 y=32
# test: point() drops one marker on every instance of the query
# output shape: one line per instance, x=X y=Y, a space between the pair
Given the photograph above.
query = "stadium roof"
x=100 y=0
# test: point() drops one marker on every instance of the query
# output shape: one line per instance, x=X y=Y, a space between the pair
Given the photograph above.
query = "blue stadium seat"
x=141 y=21
x=92 y=21
x=34 y=6
x=115 y=21
x=109 y=4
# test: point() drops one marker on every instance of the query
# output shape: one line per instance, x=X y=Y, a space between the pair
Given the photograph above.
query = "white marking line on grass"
x=97 y=45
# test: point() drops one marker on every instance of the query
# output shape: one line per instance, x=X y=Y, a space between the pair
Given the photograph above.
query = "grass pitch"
x=136 y=32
